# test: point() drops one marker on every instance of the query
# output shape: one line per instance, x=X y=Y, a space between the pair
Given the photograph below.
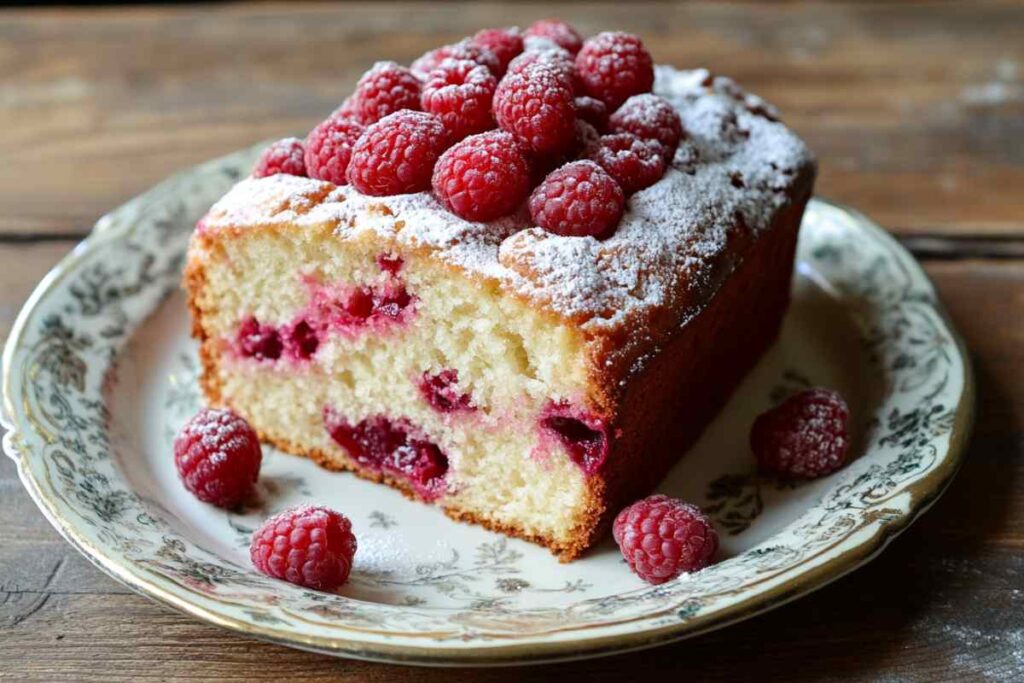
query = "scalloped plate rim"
x=924 y=492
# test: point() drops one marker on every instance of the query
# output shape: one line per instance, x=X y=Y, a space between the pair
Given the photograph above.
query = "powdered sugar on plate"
x=734 y=170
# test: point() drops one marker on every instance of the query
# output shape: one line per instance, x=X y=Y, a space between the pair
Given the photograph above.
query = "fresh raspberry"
x=385 y=89
x=578 y=199
x=464 y=49
x=218 y=457
x=804 y=437
x=593 y=112
x=662 y=537
x=283 y=156
x=329 y=148
x=460 y=93
x=483 y=177
x=505 y=43
x=306 y=545
x=558 y=32
x=614 y=66
x=535 y=104
x=553 y=55
x=634 y=163
x=651 y=117
x=397 y=154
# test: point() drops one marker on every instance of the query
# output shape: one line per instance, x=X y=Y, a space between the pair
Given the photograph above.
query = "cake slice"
x=527 y=381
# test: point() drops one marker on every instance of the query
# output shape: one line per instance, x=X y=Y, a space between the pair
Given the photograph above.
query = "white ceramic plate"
x=99 y=373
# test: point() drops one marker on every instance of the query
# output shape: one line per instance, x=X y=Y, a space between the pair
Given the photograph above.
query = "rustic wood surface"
x=915 y=109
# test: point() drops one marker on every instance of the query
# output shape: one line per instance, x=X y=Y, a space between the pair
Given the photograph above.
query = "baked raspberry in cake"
x=532 y=376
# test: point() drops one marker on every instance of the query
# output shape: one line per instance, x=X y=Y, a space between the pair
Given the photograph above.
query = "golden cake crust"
x=672 y=310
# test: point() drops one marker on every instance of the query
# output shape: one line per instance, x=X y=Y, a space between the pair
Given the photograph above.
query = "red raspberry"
x=329 y=148
x=558 y=32
x=535 y=104
x=593 y=112
x=505 y=43
x=283 y=156
x=805 y=437
x=662 y=537
x=578 y=199
x=651 y=117
x=464 y=49
x=483 y=177
x=555 y=56
x=385 y=89
x=305 y=545
x=613 y=66
x=218 y=457
x=460 y=93
x=397 y=154
x=634 y=163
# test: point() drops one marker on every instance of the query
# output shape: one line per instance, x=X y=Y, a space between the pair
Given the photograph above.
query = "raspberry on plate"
x=329 y=148
x=662 y=537
x=218 y=455
x=460 y=92
x=558 y=32
x=483 y=177
x=593 y=112
x=505 y=43
x=577 y=200
x=613 y=66
x=396 y=155
x=651 y=117
x=634 y=163
x=306 y=545
x=386 y=88
x=283 y=156
x=535 y=104
x=804 y=437
x=464 y=49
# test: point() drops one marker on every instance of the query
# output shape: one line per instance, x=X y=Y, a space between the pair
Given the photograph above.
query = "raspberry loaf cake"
x=526 y=319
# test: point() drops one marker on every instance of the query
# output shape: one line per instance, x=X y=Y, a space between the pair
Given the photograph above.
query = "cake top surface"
x=735 y=168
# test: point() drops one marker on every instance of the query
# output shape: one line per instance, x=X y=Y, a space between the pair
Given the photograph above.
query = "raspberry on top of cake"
x=525 y=249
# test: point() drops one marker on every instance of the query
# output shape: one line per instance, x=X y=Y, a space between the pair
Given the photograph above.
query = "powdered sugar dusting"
x=732 y=173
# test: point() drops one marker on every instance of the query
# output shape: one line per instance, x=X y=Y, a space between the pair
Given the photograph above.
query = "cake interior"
x=403 y=370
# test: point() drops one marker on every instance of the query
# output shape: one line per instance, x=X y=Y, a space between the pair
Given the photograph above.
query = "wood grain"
x=916 y=111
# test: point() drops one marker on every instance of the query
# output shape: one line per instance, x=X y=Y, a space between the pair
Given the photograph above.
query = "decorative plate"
x=99 y=373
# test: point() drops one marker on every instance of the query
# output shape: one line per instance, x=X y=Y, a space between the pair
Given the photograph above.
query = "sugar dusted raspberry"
x=483 y=177
x=396 y=155
x=329 y=148
x=614 y=66
x=804 y=437
x=283 y=156
x=553 y=54
x=593 y=112
x=558 y=32
x=464 y=49
x=652 y=117
x=535 y=104
x=308 y=546
x=385 y=89
x=634 y=163
x=662 y=537
x=578 y=199
x=505 y=43
x=460 y=93
x=218 y=457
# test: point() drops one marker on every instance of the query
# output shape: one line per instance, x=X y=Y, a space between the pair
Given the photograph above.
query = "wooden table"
x=916 y=112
